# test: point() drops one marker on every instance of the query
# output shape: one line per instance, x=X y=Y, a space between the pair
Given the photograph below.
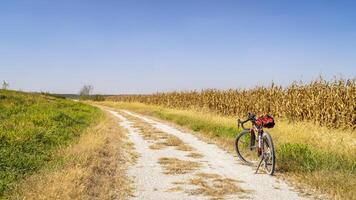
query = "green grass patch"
x=198 y=124
x=32 y=126
x=305 y=158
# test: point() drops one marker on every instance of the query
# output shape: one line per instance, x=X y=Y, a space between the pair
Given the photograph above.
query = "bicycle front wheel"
x=246 y=151
x=269 y=160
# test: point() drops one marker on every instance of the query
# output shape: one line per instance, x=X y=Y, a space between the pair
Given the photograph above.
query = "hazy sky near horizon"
x=144 y=46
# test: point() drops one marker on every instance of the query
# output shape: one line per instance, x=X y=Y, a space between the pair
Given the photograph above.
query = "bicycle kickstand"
x=259 y=164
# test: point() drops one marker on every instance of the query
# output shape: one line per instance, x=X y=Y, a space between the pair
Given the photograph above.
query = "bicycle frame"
x=254 y=129
x=259 y=131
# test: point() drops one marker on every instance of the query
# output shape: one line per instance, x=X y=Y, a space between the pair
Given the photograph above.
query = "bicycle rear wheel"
x=244 y=150
x=269 y=160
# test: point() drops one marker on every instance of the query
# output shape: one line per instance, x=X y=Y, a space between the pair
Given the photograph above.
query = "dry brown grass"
x=146 y=130
x=176 y=166
x=152 y=135
x=160 y=139
x=214 y=185
x=211 y=185
x=185 y=147
x=195 y=155
x=175 y=189
x=157 y=146
x=174 y=141
x=93 y=168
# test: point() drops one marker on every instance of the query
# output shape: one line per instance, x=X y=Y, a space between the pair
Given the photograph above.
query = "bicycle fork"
x=260 y=150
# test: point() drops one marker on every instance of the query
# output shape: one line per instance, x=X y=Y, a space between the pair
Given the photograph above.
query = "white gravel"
x=152 y=184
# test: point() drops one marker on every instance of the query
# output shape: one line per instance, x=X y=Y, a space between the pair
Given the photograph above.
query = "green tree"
x=86 y=91
x=5 y=85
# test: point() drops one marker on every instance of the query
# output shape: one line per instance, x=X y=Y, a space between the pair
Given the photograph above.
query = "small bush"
x=97 y=98
x=294 y=157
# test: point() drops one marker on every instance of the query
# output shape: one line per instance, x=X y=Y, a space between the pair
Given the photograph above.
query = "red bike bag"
x=265 y=121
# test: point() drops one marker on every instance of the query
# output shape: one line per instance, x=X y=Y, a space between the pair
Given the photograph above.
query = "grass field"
x=94 y=168
x=322 y=158
x=33 y=127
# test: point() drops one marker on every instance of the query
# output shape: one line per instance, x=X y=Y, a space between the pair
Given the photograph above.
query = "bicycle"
x=245 y=143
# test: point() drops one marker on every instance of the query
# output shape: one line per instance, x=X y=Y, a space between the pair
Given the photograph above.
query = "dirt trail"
x=177 y=165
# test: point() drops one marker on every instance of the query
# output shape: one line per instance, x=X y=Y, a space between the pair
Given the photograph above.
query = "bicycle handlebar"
x=250 y=117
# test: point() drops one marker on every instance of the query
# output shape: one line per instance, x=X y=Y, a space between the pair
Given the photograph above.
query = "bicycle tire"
x=267 y=137
x=238 y=150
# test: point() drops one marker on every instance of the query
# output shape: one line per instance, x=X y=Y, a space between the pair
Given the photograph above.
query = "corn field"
x=328 y=103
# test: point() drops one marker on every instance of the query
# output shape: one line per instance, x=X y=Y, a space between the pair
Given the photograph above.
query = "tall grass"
x=328 y=103
x=32 y=126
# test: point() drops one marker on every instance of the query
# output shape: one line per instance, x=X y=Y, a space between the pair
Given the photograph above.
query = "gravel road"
x=177 y=165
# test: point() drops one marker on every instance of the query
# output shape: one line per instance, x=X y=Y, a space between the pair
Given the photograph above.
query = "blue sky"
x=147 y=46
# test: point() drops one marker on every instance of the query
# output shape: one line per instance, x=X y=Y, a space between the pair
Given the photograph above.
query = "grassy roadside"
x=32 y=128
x=92 y=168
x=321 y=158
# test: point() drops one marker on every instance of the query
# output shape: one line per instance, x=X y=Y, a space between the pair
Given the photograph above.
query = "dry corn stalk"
x=331 y=104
